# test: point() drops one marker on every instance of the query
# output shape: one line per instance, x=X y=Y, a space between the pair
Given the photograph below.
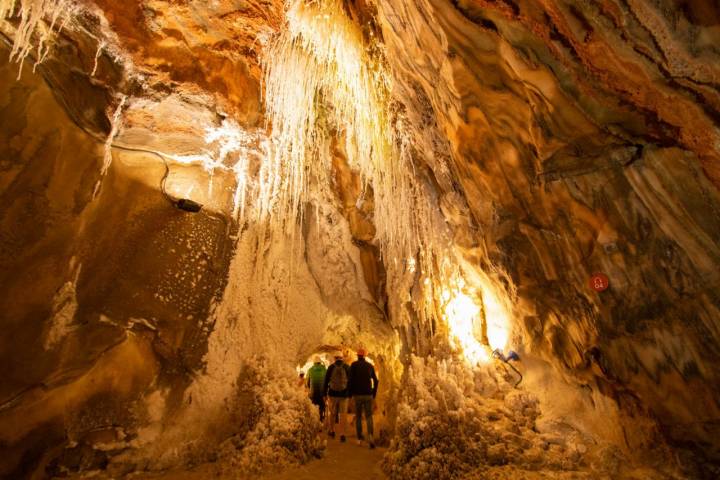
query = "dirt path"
x=346 y=461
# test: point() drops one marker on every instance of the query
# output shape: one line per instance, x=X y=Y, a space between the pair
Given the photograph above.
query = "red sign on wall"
x=599 y=282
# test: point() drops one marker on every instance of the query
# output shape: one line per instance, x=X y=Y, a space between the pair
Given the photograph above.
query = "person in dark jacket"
x=363 y=385
x=336 y=389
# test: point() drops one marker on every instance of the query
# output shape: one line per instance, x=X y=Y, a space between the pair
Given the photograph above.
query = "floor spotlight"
x=498 y=353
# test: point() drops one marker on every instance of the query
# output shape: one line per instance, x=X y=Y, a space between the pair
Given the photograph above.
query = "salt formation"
x=32 y=15
x=64 y=309
x=326 y=76
x=459 y=422
x=115 y=124
x=279 y=427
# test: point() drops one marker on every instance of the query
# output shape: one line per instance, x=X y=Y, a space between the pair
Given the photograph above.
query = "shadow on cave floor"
x=347 y=461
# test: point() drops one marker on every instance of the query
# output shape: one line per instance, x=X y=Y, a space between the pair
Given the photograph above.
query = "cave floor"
x=347 y=461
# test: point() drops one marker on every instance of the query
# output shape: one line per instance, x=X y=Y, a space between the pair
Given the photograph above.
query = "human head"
x=338 y=355
x=316 y=359
x=361 y=352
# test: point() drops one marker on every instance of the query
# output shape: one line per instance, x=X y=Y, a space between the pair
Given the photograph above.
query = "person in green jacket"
x=316 y=384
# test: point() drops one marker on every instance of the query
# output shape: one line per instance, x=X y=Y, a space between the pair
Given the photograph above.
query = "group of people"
x=337 y=384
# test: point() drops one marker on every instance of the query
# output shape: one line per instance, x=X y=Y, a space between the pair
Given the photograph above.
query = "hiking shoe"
x=342 y=438
x=332 y=434
x=372 y=446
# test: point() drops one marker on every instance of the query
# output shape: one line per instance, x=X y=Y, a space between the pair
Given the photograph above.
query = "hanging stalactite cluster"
x=326 y=80
x=37 y=20
x=325 y=76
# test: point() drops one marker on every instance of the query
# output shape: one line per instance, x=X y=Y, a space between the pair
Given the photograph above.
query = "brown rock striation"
x=584 y=138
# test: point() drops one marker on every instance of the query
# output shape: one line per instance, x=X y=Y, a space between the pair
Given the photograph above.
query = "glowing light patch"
x=462 y=313
x=472 y=317
x=496 y=318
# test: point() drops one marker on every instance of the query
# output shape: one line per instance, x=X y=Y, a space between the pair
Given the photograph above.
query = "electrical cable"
x=182 y=203
x=516 y=371
x=174 y=201
x=506 y=364
x=163 y=189
x=163 y=182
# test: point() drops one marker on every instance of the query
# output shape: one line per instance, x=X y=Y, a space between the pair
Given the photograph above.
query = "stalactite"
x=115 y=123
x=31 y=31
x=99 y=51
x=323 y=74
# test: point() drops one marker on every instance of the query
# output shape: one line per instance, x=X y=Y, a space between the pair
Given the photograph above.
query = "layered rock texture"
x=551 y=140
x=585 y=138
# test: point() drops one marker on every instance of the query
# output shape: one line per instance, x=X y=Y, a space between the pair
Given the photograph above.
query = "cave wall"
x=584 y=139
x=128 y=322
x=581 y=137
x=102 y=297
x=283 y=301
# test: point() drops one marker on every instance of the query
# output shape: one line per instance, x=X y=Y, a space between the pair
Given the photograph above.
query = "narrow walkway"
x=346 y=461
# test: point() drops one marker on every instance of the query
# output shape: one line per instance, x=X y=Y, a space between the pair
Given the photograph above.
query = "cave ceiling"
x=558 y=139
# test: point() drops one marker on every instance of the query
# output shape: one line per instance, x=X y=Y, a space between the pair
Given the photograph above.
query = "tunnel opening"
x=383 y=424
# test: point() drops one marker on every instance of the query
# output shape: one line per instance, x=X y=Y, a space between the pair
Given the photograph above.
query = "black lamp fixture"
x=184 y=204
x=188 y=205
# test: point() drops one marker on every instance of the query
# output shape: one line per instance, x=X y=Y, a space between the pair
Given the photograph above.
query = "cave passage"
x=513 y=207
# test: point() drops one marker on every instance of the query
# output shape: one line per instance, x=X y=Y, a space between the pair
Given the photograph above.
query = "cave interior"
x=512 y=205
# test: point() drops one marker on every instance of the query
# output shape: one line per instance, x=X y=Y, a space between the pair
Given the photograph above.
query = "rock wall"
x=130 y=323
x=584 y=139
x=102 y=297
x=558 y=139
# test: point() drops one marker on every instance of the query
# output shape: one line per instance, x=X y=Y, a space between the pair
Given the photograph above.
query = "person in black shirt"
x=363 y=385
